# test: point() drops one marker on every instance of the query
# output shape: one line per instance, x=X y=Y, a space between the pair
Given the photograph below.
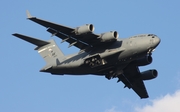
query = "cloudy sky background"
x=24 y=88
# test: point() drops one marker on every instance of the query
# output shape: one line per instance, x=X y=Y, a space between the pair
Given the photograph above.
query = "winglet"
x=28 y=14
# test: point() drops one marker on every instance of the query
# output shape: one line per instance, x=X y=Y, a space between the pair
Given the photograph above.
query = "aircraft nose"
x=157 y=40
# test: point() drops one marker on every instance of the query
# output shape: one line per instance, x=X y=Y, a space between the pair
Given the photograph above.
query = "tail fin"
x=47 y=49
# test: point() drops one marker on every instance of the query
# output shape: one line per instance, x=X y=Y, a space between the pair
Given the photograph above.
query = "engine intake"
x=149 y=74
x=109 y=36
x=87 y=28
x=144 y=61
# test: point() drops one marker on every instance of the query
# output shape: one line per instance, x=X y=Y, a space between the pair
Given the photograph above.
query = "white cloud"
x=168 y=103
x=113 y=109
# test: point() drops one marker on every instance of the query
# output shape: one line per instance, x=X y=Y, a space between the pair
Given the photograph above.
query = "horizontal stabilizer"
x=31 y=40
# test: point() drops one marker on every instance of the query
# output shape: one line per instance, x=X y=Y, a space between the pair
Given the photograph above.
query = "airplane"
x=102 y=54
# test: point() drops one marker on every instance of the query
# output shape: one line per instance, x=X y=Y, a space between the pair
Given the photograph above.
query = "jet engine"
x=149 y=74
x=109 y=36
x=87 y=28
x=144 y=61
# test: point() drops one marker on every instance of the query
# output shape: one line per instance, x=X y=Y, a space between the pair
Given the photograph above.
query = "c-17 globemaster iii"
x=100 y=54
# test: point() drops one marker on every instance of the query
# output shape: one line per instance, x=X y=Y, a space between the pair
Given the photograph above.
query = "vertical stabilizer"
x=51 y=53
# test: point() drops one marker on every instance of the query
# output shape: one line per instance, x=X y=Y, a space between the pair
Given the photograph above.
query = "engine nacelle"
x=144 y=61
x=109 y=36
x=149 y=74
x=87 y=28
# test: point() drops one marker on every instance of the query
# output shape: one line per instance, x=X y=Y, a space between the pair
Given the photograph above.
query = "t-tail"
x=47 y=49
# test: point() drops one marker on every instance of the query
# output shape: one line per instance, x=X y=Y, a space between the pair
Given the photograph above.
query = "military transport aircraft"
x=100 y=54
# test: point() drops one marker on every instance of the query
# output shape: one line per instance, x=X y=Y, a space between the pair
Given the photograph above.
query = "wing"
x=132 y=79
x=68 y=34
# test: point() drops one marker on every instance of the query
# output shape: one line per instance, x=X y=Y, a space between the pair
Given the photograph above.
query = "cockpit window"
x=151 y=35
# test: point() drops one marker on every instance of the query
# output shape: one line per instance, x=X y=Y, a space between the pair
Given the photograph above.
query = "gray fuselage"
x=118 y=54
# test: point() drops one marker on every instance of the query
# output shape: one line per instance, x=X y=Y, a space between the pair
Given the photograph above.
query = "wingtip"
x=14 y=34
x=17 y=35
x=28 y=14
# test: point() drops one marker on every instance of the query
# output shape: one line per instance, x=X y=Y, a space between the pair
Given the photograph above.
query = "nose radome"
x=157 y=40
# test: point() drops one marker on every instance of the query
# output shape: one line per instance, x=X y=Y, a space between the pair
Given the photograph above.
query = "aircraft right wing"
x=81 y=37
x=132 y=79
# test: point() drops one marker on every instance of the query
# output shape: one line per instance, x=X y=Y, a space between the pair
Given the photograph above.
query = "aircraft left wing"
x=81 y=37
x=132 y=79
